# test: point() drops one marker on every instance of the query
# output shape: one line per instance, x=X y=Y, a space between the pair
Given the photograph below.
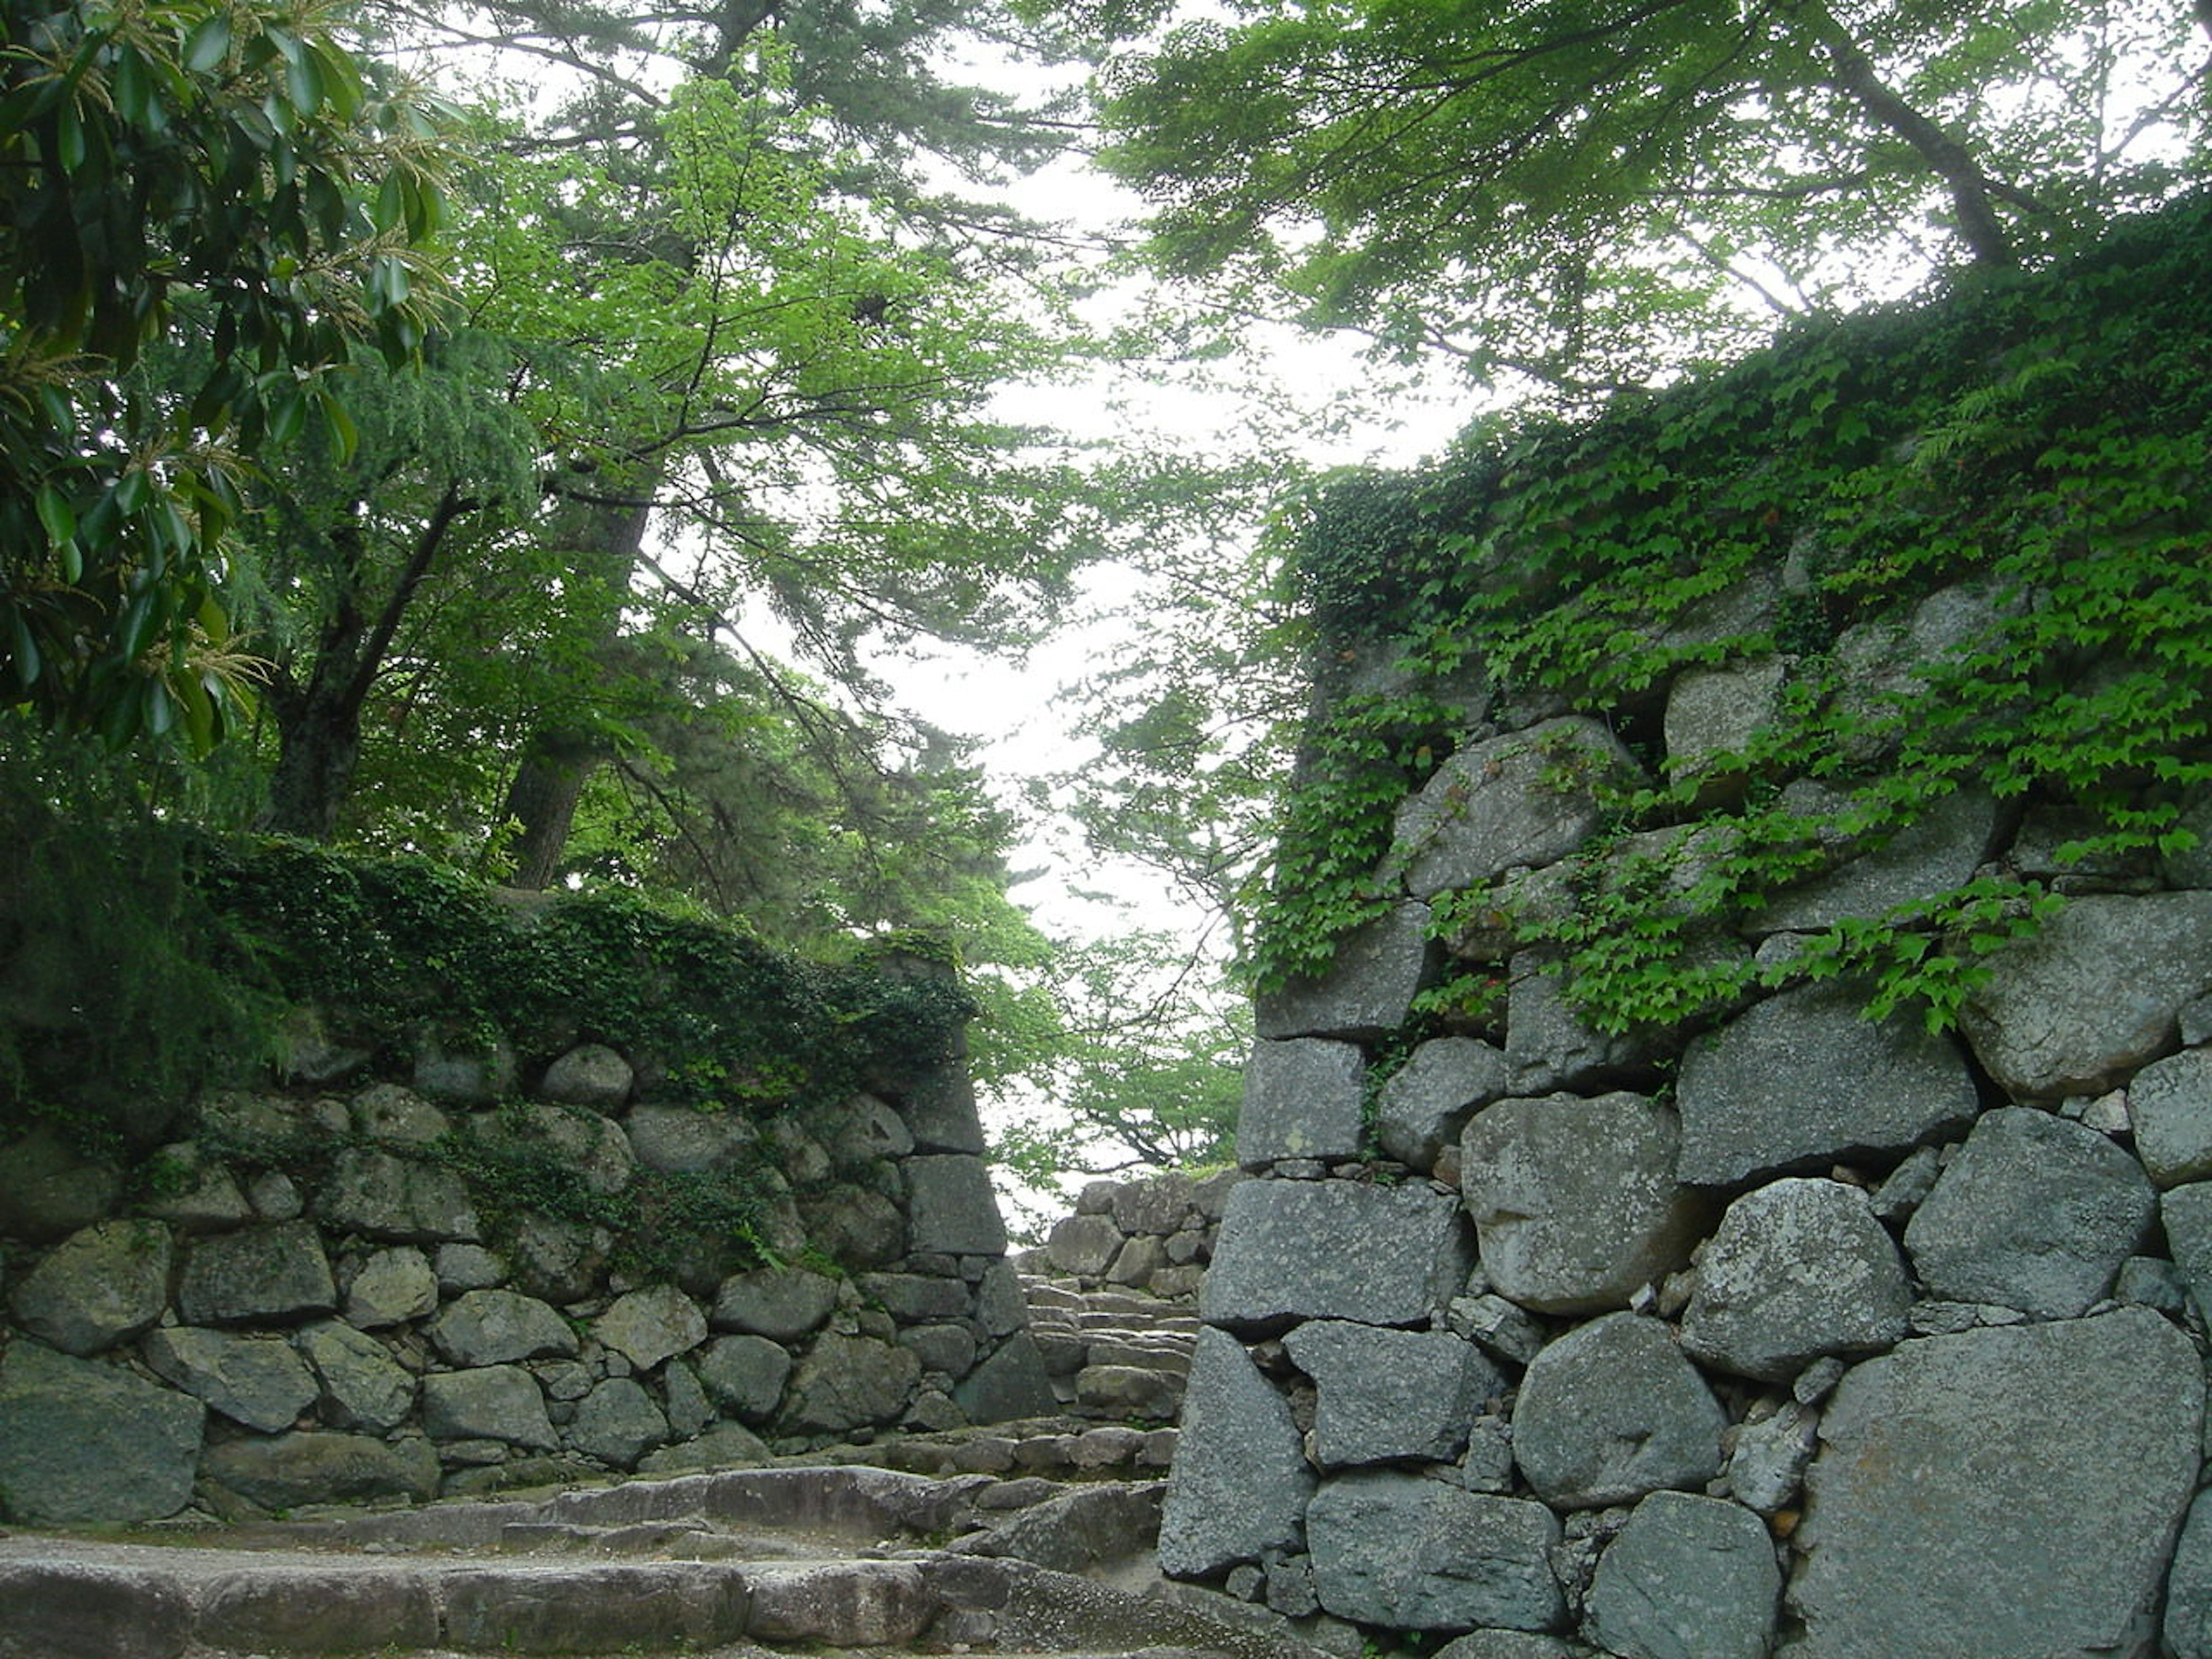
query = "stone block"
x=744 y=1375
x=362 y=1387
x=781 y=1303
x=1303 y=1098
x=1376 y=971
x=2034 y=1213
x=302 y=1609
x=384 y=1196
x=2094 y=995
x=1938 y=850
x=652 y=1325
x=850 y=1382
x=1009 y=1386
x=490 y=1402
x=1239 y=1484
x=594 y=1607
x=276 y=1273
x=255 y=1379
x=1803 y=1080
x=2170 y=1109
x=2001 y=1492
x=1083 y=1245
x=1409 y=1553
x=1334 y=1249
x=1613 y=1410
x=1524 y=799
x=290 y=1471
x=1387 y=1395
x=81 y=1441
x=1575 y=1201
x=491 y=1328
x=1797 y=1270
x=1425 y=1105
x=99 y=1287
x=616 y=1423
x=91 y=1610
x=591 y=1076
x=1686 y=1576
x=951 y=1207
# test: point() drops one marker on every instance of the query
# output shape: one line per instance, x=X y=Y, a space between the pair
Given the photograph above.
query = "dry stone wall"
x=1813 y=1334
x=317 y=1306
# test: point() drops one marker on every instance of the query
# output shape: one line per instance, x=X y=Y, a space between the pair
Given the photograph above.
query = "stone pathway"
x=1035 y=1538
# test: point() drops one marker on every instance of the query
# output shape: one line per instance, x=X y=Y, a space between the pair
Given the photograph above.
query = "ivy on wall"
x=2042 y=441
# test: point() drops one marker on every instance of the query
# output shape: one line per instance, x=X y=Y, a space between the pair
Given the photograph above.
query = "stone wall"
x=1153 y=1234
x=322 y=1296
x=1802 y=1332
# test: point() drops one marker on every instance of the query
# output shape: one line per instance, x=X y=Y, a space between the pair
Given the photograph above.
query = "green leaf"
x=209 y=43
x=55 y=513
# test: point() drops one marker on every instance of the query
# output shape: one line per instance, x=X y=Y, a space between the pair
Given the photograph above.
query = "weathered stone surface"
x=1522 y=800
x=2000 y=1492
x=947 y=1348
x=254 y=1380
x=99 y=1286
x=950 y=1207
x=2034 y=1213
x=845 y=1381
x=908 y=1298
x=2098 y=993
x=1766 y=1467
x=397 y=1116
x=557 y=1259
x=1383 y=1394
x=684 y=1400
x=1796 y=1269
x=885 y=1604
x=490 y=1327
x=599 y=1607
x=2187 y=1214
x=1803 y=1079
x=393 y=1287
x=1302 y=1099
x=1239 y=1484
x=1575 y=1202
x=287 y=1471
x=1425 y=1104
x=1133 y=1393
x=465 y=1070
x=92 y=1610
x=616 y=1423
x=491 y=1402
x=304 y=1610
x=2187 y=1631
x=648 y=1325
x=1373 y=977
x=744 y=1375
x=1084 y=1245
x=1409 y=1553
x=1333 y=1249
x=1613 y=1410
x=1712 y=713
x=2170 y=1109
x=1549 y=1045
x=781 y=1303
x=590 y=1075
x=1010 y=1385
x=362 y=1386
x=591 y=1146
x=386 y=1196
x=53 y=1190
x=1000 y=1308
x=271 y=1273
x=1939 y=850
x=1687 y=1579
x=85 y=1441
x=1509 y=1645
x=861 y=1228
x=198 y=1195
x=681 y=1140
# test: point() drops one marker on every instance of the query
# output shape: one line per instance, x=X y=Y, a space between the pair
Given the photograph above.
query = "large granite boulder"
x=2170 y=1109
x=1239 y=1484
x=1012 y=1383
x=1303 y=1099
x=616 y=1423
x=2096 y=994
x=1804 y=1079
x=81 y=1441
x=591 y=1076
x=1383 y=1394
x=2001 y=1492
x=950 y=1207
x=362 y=1386
x=393 y=1287
x=1409 y=1553
x=2035 y=1212
x=275 y=1273
x=258 y=1381
x=290 y=1471
x=1686 y=1578
x=1524 y=799
x=101 y=1286
x=53 y=1190
x=781 y=1303
x=1938 y=850
x=744 y=1375
x=1333 y=1249
x=491 y=1328
x=1613 y=1410
x=1373 y=977
x=488 y=1402
x=384 y=1196
x=1425 y=1105
x=649 y=1326
x=1575 y=1202
x=1796 y=1269
x=848 y=1382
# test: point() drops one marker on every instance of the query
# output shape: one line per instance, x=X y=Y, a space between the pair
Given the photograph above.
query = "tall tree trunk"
x=559 y=758
x=319 y=719
x=1853 y=73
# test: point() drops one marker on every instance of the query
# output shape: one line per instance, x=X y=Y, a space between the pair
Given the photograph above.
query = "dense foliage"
x=2044 y=439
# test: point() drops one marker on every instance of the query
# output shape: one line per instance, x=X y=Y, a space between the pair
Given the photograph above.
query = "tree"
x=1583 y=196
x=215 y=169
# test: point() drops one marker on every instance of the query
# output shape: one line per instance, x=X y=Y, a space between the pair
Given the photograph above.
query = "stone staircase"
x=1113 y=1355
x=820 y=1559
